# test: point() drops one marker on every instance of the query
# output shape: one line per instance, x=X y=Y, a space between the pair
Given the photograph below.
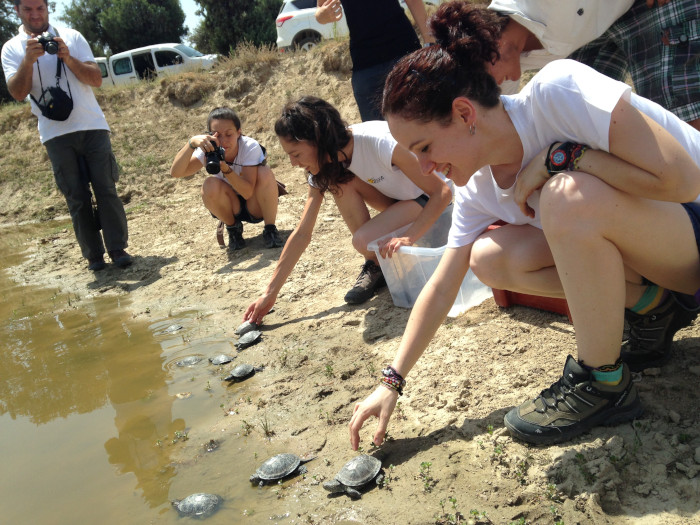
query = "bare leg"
x=263 y=203
x=220 y=199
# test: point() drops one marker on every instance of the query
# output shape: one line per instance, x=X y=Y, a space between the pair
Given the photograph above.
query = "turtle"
x=241 y=372
x=220 y=359
x=246 y=327
x=279 y=467
x=200 y=505
x=357 y=473
x=171 y=329
x=189 y=360
x=248 y=339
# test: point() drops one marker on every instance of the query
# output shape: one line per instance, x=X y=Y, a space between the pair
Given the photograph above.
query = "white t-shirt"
x=373 y=147
x=249 y=154
x=86 y=114
x=562 y=26
x=566 y=100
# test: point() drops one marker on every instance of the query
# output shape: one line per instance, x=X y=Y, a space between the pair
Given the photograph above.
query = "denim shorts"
x=693 y=209
x=422 y=200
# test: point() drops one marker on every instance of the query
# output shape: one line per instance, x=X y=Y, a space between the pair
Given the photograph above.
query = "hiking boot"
x=368 y=282
x=573 y=405
x=271 y=237
x=120 y=258
x=235 y=237
x=651 y=334
x=96 y=264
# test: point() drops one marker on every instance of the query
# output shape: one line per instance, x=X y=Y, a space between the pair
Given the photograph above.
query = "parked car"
x=104 y=67
x=297 y=27
x=150 y=61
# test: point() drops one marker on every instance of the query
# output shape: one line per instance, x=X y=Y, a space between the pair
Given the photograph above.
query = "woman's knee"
x=573 y=202
x=489 y=262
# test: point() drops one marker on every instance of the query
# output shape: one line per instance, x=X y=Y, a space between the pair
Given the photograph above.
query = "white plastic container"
x=407 y=271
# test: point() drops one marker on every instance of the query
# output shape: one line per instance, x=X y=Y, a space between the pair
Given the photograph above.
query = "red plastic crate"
x=507 y=298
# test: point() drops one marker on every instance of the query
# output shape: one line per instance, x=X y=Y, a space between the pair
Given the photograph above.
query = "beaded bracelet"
x=564 y=157
x=576 y=154
x=393 y=380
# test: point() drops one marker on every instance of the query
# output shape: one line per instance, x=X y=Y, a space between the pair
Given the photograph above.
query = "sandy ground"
x=322 y=356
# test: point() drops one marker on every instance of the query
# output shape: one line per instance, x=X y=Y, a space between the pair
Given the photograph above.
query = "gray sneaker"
x=651 y=334
x=368 y=282
x=573 y=405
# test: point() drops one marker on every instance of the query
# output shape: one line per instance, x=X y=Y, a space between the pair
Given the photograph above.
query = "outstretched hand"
x=381 y=404
x=530 y=179
x=259 y=309
x=330 y=11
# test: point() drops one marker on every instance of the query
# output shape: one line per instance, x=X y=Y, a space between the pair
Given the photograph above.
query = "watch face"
x=558 y=158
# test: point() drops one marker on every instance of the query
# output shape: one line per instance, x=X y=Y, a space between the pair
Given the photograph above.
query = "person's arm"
x=432 y=185
x=328 y=11
x=420 y=16
x=291 y=253
x=430 y=310
x=87 y=72
x=244 y=184
x=20 y=84
x=185 y=163
x=644 y=160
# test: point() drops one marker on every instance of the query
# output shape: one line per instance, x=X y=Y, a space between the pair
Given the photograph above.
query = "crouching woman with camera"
x=241 y=188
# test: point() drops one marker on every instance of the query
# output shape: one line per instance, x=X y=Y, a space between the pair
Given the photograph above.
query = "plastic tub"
x=407 y=271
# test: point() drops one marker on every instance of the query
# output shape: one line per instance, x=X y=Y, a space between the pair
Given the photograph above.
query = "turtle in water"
x=171 y=329
x=357 y=473
x=248 y=339
x=220 y=359
x=189 y=360
x=199 y=505
x=241 y=372
x=279 y=467
x=246 y=327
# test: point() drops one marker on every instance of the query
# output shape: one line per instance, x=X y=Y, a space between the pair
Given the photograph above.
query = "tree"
x=228 y=22
x=119 y=25
x=8 y=29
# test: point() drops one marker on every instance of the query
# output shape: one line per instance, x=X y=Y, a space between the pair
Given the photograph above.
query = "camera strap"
x=59 y=63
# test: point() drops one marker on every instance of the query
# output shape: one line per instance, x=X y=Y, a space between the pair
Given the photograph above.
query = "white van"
x=104 y=67
x=150 y=61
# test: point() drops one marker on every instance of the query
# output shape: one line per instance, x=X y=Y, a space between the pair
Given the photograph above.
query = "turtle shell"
x=248 y=339
x=359 y=471
x=246 y=327
x=240 y=372
x=278 y=467
x=220 y=359
x=189 y=360
x=199 y=505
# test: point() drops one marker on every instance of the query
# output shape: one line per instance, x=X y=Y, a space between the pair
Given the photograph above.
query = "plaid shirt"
x=659 y=48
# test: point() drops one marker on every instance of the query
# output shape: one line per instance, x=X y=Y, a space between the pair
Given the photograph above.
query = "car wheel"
x=307 y=43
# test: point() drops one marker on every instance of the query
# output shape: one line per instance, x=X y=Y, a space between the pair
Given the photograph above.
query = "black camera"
x=50 y=45
x=214 y=159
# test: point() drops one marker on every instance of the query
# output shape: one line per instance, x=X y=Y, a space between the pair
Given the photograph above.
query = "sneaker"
x=651 y=334
x=573 y=405
x=96 y=264
x=120 y=258
x=271 y=237
x=368 y=282
x=235 y=237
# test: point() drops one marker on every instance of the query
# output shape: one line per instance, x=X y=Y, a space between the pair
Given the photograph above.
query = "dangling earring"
x=472 y=129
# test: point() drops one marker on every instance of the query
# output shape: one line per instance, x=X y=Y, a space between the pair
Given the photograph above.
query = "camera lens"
x=51 y=47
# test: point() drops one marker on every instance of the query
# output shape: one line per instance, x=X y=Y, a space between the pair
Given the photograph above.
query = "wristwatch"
x=564 y=157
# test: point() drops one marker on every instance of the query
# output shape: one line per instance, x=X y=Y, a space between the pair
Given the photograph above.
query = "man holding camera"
x=58 y=71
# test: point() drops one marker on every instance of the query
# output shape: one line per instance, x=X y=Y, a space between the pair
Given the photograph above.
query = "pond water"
x=93 y=428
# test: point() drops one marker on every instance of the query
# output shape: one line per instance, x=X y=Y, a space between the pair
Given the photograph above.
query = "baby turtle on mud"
x=279 y=467
x=242 y=372
x=189 y=361
x=198 y=505
x=246 y=327
x=248 y=339
x=356 y=474
x=220 y=359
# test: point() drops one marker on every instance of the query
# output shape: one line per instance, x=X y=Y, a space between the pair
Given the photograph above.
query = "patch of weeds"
x=479 y=517
x=520 y=521
x=266 y=428
x=426 y=476
x=246 y=428
x=453 y=517
x=521 y=471
x=371 y=369
x=400 y=414
x=588 y=476
x=180 y=436
x=556 y=515
x=208 y=388
x=498 y=452
x=551 y=493
x=388 y=477
x=325 y=415
x=283 y=359
x=159 y=443
x=329 y=370
x=489 y=429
